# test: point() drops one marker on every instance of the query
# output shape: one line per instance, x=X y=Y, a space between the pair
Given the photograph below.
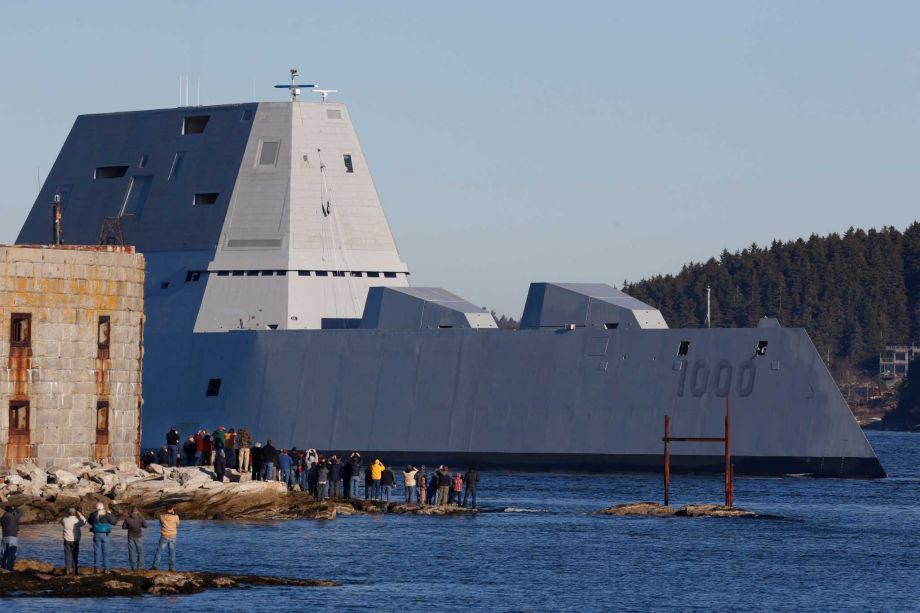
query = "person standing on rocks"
x=355 y=487
x=190 y=449
x=335 y=477
x=71 y=525
x=269 y=459
x=219 y=440
x=255 y=453
x=9 y=544
x=443 y=486
x=376 y=473
x=231 y=448
x=471 y=480
x=409 y=482
x=422 y=479
x=207 y=450
x=172 y=446
x=285 y=464
x=100 y=523
x=169 y=529
x=244 y=444
x=346 y=479
x=433 y=487
x=322 y=478
x=135 y=524
x=199 y=447
x=457 y=489
x=387 y=483
x=368 y=483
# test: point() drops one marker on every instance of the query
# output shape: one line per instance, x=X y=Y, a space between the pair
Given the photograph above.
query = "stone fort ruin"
x=71 y=341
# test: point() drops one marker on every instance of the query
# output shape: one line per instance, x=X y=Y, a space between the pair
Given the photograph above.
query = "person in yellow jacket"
x=169 y=529
x=376 y=472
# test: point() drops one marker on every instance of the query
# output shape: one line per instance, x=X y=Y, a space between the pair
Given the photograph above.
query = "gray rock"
x=63 y=477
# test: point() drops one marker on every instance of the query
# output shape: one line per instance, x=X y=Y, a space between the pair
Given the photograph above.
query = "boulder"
x=126 y=467
x=63 y=477
x=156 y=469
x=119 y=588
x=13 y=479
x=714 y=510
x=646 y=509
x=24 y=565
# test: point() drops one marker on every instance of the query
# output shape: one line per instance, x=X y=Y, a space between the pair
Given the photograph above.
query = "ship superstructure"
x=276 y=299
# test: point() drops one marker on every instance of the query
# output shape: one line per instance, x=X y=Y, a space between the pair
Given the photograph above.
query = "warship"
x=276 y=299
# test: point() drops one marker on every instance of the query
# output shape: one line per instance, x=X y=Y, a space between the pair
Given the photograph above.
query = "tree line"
x=854 y=293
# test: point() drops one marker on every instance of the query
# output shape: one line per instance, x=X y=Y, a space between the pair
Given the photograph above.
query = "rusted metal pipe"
x=57 y=216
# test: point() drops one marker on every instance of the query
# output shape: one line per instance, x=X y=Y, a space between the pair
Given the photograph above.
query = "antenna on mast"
x=325 y=92
x=293 y=86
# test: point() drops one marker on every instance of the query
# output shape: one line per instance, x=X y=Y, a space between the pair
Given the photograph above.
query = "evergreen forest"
x=854 y=293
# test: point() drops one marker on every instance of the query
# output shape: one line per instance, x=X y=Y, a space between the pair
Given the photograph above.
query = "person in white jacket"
x=409 y=482
x=72 y=523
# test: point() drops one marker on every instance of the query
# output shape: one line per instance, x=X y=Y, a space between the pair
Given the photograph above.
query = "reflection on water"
x=839 y=544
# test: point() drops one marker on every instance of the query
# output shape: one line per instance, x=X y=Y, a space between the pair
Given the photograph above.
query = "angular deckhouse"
x=276 y=299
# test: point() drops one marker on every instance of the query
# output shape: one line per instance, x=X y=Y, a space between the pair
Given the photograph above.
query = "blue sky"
x=524 y=141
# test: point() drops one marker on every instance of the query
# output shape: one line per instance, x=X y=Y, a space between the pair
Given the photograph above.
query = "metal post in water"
x=729 y=477
x=667 y=459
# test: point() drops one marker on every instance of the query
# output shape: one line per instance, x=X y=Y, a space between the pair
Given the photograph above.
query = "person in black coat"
x=346 y=479
x=255 y=455
x=335 y=477
x=471 y=480
x=269 y=460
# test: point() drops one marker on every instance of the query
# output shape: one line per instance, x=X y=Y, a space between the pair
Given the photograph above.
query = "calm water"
x=840 y=545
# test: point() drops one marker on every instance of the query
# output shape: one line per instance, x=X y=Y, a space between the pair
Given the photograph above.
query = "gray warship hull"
x=276 y=299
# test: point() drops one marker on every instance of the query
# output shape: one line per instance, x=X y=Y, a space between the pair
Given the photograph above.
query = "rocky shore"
x=44 y=496
x=39 y=579
x=654 y=509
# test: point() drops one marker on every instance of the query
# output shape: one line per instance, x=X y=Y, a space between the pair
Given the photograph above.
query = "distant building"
x=894 y=361
x=71 y=334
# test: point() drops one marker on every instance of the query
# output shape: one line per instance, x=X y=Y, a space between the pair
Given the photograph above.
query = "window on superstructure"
x=356 y=274
x=213 y=387
x=192 y=276
x=142 y=163
x=252 y=273
x=322 y=273
x=238 y=273
x=683 y=348
x=338 y=273
x=195 y=124
x=389 y=275
x=333 y=114
x=303 y=273
x=223 y=273
x=247 y=115
x=348 y=165
x=205 y=198
x=762 y=348
x=611 y=325
x=373 y=274
x=164 y=284
x=269 y=153
x=21 y=330
x=110 y=172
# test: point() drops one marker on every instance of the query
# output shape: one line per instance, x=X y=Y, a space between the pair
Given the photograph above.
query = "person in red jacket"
x=456 y=488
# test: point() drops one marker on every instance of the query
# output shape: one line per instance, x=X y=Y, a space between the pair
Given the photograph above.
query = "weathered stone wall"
x=65 y=370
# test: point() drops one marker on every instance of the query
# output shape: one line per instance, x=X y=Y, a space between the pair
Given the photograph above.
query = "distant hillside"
x=852 y=293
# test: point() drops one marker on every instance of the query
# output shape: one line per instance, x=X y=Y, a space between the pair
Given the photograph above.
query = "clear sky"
x=524 y=141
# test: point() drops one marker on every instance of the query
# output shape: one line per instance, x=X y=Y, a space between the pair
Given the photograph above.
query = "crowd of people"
x=101 y=522
x=323 y=477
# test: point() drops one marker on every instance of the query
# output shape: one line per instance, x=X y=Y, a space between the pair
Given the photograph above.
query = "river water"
x=837 y=545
